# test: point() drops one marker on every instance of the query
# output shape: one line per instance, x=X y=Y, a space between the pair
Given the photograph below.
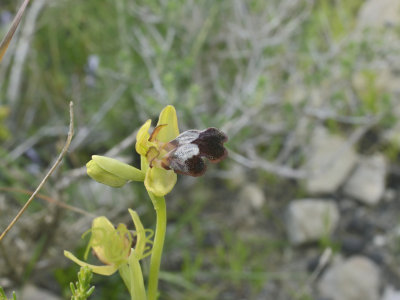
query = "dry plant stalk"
x=49 y=200
x=8 y=37
x=57 y=162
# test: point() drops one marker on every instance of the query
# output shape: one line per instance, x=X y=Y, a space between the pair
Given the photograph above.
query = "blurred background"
x=305 y=206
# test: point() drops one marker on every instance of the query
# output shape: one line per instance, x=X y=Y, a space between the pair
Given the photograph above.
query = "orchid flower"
x=113 y=246
x=163 y=153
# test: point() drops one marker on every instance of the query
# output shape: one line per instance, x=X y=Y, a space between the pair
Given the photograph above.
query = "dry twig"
x=52 y=169
x=8 y=37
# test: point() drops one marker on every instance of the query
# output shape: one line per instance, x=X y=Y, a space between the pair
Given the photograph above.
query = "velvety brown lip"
x=191 y=146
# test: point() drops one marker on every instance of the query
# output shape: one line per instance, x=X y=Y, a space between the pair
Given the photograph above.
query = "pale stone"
x=330 y=161
x=379 y=14
x=391 y=294
x=357 y=278
x=367 y=183
x=253 y=194
x=309 y=220
x=384 y=80
x=251 y=200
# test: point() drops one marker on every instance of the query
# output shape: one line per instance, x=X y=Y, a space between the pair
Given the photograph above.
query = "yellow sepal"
x=101 y=270
x=171 y=131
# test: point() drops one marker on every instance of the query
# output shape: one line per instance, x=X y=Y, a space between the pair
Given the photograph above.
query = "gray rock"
x=391 y=294
x=251 y=200
x=330 y=161
x=357 y=278
x=379 y=14
x=367 y=183
x=252 y=194
x=32 y=292
x=308 y=220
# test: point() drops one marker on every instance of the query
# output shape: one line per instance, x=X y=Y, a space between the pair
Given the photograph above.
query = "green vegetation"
x=81 y=290
x=4 y=297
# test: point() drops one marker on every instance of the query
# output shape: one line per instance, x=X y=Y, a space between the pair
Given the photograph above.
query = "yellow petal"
x=102 y=176
x=118 y=168
x=102 y=270
x=101 y=229
x=171 y=131
x=142 y=138
x=159 y=181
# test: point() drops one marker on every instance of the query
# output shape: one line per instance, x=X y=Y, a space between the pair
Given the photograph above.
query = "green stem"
x=161 y=212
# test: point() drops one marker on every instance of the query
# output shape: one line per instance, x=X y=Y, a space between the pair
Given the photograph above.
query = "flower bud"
x=102 y=176
x=112 y=172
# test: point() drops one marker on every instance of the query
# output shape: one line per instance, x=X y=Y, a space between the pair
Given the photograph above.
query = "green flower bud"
x=112 y=172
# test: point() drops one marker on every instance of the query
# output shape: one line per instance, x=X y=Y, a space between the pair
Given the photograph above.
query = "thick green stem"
x=161 y=211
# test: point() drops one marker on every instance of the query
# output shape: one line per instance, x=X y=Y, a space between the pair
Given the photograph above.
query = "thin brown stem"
x=57 y=162
x=7 y=39
x=49 y=200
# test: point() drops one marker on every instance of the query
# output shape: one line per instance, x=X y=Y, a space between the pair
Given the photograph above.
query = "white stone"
x=253 y=194
x=379 y=13
x=330 y=161
x=386 y=80
x=357 y=278
x=251 y=200
x=380 y=240
x=391 y=294
x=308 y=220
x=367 y=183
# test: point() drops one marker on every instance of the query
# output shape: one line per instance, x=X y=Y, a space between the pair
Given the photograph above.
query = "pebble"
x=330 y=161
x=251 y=200
x=357 y=278
x=391 y=293
x=379 y=14
x=308 y=220
x=367 y=183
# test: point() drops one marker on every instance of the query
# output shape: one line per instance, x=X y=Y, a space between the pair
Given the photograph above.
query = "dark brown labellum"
x=191 y=146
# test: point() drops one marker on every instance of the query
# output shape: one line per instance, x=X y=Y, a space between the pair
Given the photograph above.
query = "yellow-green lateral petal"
x=101 y=270
x=171 y=131
x=119 y=168
x=102 y=176
x=159 y=181
x=142 y=138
